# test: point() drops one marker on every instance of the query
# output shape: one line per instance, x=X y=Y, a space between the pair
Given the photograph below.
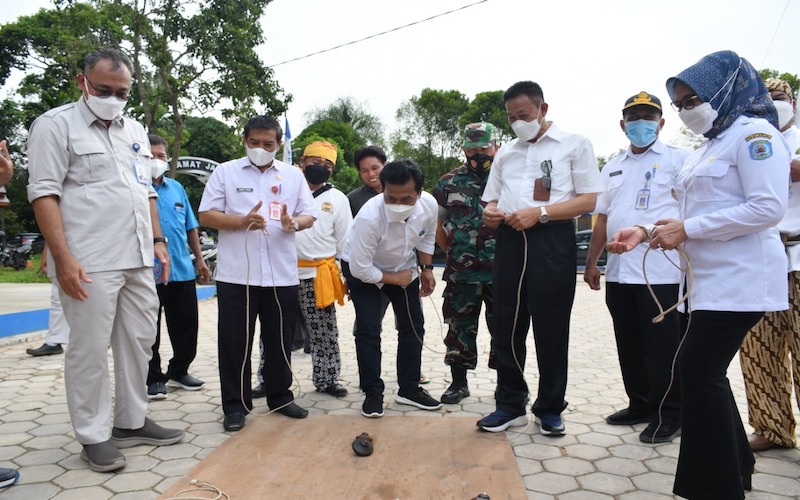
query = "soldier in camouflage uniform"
x=469 y=245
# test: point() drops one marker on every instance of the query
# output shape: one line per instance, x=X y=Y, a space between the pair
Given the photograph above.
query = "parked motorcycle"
x=19 y=256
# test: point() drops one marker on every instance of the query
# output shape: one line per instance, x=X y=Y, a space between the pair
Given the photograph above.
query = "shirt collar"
x=658 y=148
x=279 y=165
x=552 y=132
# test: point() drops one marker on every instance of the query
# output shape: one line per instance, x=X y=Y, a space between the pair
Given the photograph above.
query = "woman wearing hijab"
x=732 y=191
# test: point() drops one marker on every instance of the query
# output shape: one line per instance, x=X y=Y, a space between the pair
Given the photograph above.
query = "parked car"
x=582 y=240
x=35 y=240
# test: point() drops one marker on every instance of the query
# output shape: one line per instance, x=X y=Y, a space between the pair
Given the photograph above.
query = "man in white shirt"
x=257 y=203
x=320 y=282
x=538 y=183
x=379 y=259
x=769 y=353
x=638 y=190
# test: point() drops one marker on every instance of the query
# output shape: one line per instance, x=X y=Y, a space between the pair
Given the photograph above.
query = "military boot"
x=459 y=389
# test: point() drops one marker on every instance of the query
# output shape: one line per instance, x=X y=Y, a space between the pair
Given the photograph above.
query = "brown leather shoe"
x=760 y=443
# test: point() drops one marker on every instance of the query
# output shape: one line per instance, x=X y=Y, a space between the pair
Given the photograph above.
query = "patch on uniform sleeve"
x=757 y=135
x=760 y=150
x=327 y=207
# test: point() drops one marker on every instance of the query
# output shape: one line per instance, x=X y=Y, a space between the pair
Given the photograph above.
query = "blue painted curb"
x=37 y=319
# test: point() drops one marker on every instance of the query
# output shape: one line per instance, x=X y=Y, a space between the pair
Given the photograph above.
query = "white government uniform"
x=376 y=245
x=638 y=191
x=790 y=224
x=732 y=191
x=519 y=163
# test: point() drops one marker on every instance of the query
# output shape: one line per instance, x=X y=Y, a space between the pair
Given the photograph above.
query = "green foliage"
x=347 y=110
x=488 y=107
x=30 y=274
x=432 y=119
x=49 y=48
x=432 y=165
x=792 y=80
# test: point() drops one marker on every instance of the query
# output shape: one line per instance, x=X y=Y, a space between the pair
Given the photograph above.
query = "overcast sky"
x=588 y=56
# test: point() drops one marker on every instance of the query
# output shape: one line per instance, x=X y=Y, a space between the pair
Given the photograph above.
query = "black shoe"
x=157 y=390
x=418 y=397
x=46 y=350
x=455 y=393
x=150 y=434
x=233 y=421
x=373 y=406
x=103 y=457
x=336 y=390
x=627 y=417
x=293 y=411
x=259 y=391
x=664 y=433
x=187 y=383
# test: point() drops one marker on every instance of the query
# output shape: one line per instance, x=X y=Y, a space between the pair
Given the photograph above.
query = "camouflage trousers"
x=462 y=310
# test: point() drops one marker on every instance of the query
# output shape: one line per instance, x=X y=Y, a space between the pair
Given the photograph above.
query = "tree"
x=489 y=107
x=347 y=110
x=432 y=120
x=49 y=47
x=196 y=58
x=792 y=80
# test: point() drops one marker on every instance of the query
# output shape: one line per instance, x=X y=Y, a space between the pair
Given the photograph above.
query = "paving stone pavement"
x=592 y=461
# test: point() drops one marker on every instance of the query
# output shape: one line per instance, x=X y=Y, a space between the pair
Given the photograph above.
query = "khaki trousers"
x=120 y=312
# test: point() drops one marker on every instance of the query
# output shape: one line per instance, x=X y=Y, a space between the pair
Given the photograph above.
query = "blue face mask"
x=642 y=133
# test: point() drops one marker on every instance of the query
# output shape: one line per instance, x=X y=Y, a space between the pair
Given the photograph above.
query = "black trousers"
x=533 y=279
x=714 y=451
x=646 y=350
x=178 y=299
x=277 y=320
x=368 y=302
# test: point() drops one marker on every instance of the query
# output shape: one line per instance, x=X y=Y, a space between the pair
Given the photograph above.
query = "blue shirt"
x=177 y=218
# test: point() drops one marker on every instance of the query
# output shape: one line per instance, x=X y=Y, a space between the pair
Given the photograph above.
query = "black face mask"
x=316 y=174
x=482 y=163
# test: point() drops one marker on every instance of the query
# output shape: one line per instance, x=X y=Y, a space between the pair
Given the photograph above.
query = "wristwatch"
x=160 y=239
x=544 y=218
x=425 y=266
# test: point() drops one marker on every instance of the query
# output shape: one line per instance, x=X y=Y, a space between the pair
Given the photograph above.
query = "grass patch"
x=31 y=274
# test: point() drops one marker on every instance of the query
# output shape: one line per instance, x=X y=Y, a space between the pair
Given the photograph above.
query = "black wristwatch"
x=160 y=239
x=426 y=266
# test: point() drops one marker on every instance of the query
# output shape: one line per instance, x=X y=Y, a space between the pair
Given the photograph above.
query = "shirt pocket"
x=90 y=162
x=614 y=183
x=708 y=183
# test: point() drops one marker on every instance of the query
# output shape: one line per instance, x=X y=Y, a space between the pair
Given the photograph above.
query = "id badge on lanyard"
x=141 y=172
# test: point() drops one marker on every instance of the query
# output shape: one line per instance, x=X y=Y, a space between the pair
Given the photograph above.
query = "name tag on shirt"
x=141 y=173
x=244 y=190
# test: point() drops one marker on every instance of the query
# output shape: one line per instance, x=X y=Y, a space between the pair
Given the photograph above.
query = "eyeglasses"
x=686 y=103
x=547 y=167
x=122 y=95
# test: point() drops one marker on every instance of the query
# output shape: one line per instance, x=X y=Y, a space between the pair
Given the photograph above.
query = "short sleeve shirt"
x=92 y=170
x=177 y=219
x=235 y=187
x=518 y=164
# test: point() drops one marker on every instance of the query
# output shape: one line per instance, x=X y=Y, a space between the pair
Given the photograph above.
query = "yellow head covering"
x=778 y=84
x=321 y=149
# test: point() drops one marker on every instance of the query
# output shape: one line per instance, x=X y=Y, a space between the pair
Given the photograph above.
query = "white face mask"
x=105 y=108
x=785 y=113
x=259 y=157
x=157 y=168
x=399 y=213
x=526 y=131
x=700 y=118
